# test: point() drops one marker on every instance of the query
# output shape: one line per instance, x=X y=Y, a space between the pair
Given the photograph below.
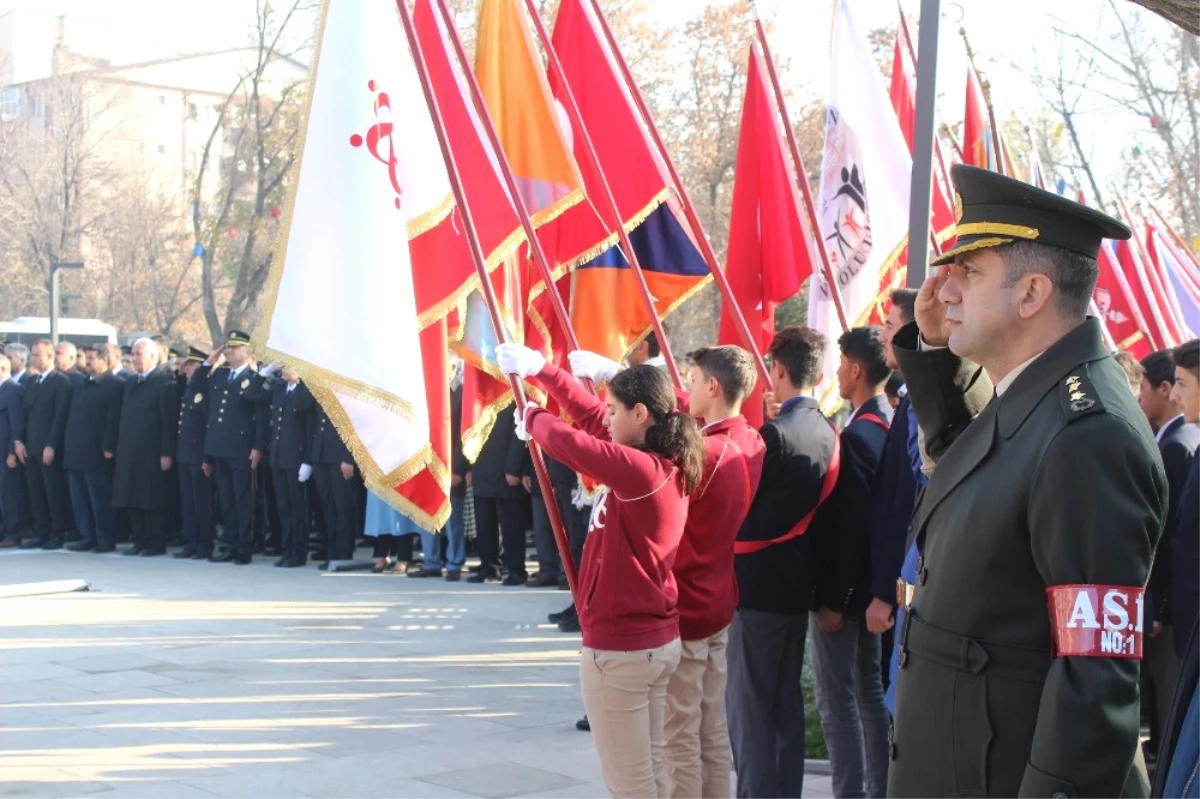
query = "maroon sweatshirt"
x=627 y=592
x=708 y=593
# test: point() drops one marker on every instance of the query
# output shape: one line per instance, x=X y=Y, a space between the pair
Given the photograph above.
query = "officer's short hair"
x=863 y=346
x=906 y=301
x=1133 y=370
x=1187 y=356
x=731 y=366
x=800 y=351
x=20 y=350
x=1159 y=367
x=43 y=342
x=1073 y=274
x=109 y=351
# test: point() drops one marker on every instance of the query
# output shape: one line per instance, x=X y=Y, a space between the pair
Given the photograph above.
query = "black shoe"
x=224 y=557
x=184 y=554
x=453 y=576
x=132 y=552
x=426 y=573
x=30 y=543
x=583 y=725
x=202 y=554
x=474 y=569
x=151 y=553
x=483 y=577
x=555 y=618
x=514 y=580
x=177 y=541
x=102 y=548
x=295 y=564
x=569 y=625
x=82 y=546
x=540 y=580
x=53 y=543
x=242 y=560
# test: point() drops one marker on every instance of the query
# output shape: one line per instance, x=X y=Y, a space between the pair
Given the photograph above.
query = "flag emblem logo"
x=844 y=212
x=381 y=134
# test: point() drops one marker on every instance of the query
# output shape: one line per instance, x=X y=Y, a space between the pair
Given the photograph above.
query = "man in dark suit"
x=146 y=450
x=1185 y=537
x=451 y=537
x=333 y=470
x=237 y=439
x=292 y=417
x=775 y=574
x=39 y=446
x=194 y=487
x=66 y=360
x=91 y=444
x=12 y=411
x=18 y=355
x=846 y=655
x=1177 y=442
x=501 y=504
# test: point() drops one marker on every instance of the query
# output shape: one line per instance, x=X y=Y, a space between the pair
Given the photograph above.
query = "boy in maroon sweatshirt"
x=697 y=739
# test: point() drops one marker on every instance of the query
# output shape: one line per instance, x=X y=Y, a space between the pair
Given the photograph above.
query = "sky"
x=1012 y=39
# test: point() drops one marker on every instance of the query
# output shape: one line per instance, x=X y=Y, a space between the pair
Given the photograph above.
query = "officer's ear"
x=1034 y=292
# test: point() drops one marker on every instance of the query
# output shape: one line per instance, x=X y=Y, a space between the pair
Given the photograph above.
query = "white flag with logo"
x=340 y=305
x=863 y=200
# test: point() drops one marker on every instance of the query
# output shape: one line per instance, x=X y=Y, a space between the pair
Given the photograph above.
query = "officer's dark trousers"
x=494 y=517
x=338 y=504
x=47 y=497
x=196 y=509
x=292 y=500
x=763 y=702
x=549 y=564
x=147 y=529
x=12 y=501
x=91 y=502
x=235 y=486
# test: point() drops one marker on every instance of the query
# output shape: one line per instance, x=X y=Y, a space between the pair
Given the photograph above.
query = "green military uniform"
x=1055 y=483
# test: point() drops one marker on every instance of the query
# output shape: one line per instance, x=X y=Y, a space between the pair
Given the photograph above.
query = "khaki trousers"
x=625 y=696
x=698 y=754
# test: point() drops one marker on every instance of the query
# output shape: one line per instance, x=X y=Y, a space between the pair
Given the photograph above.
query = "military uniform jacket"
x=147 y=434
x=292 y=425
x=238 y=414
x=46 y=406
x=93 y=422
x=193 y=419
x=1057 y=482
x=327 y=446
x=12 y=414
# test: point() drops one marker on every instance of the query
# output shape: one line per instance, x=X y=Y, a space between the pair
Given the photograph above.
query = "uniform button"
x=1058 y=795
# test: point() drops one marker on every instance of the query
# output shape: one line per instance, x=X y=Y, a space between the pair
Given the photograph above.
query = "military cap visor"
x=992 y=210
x=198 y=355
x=237 y=339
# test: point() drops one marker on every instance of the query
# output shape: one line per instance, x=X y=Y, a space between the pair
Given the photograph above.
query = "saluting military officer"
x=237 y=437
x=194 y=487
x=1019 y=654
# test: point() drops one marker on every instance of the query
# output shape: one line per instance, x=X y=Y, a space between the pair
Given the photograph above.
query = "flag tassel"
x=485 y=279
x=689 y=209
x=810 y=208
x=610 y=203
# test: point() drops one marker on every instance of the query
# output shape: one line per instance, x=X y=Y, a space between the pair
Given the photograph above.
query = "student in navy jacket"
x=1185 y=561
x=846 y=655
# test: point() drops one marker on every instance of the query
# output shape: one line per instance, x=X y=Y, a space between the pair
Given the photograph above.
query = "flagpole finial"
x=754 y=10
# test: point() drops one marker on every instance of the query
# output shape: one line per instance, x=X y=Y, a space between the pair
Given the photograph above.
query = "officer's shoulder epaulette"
x=1078 y=394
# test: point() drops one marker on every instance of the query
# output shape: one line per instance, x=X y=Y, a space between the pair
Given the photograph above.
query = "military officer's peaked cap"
x=127 y=350
x=237 y=339
x=993 y=210
x=176 y=351
x=197 y=354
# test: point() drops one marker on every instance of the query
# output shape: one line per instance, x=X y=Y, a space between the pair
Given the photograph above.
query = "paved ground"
x=188 y=679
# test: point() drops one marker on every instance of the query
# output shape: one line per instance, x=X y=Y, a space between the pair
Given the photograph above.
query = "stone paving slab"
x=188 y=679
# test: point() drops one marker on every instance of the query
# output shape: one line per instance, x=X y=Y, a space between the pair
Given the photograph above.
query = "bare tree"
x=1184 y=13
x=251 y=149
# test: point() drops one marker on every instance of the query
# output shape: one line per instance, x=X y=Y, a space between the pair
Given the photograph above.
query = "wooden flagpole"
x=485 y=280
x=567 y=98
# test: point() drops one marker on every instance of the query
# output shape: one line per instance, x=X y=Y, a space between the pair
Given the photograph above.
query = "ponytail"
x=673 y=435
x=677 y=439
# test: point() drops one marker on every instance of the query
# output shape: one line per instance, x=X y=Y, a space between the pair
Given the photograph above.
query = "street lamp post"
x=54 y=299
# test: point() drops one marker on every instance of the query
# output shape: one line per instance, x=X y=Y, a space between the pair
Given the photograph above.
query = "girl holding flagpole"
x=650 y=457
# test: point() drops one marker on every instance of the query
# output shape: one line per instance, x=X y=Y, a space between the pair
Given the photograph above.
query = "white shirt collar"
x=1158 y=435
x=855 y=412
x=1006 y=382
x=233 y=373
x=658 y=361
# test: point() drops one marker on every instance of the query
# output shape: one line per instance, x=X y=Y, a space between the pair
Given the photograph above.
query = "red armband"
x=1096 y=621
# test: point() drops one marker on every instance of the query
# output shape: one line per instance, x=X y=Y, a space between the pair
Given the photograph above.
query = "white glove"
x=590 y=366
x=305 y=472
x=519 y=419
x=268 y=370
x=513 y=359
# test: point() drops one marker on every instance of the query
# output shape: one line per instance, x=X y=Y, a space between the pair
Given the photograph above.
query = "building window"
x=191 y=111
x=162 y=99
x=162 y=148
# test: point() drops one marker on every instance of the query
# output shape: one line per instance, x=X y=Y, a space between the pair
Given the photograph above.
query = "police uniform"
x=238 y=423
x=1019 y=653
x=194 y=488
x=339 y=498
x=292 y=425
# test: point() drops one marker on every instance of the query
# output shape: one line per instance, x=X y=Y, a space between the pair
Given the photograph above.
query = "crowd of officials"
x=910 y=547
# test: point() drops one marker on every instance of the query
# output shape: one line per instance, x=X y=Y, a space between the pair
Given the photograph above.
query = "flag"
x=340 y=303
x=1180 y=294
x=1143 y=295
x=863 y=204
x=1115 y=305
x=903 y=93
x=607 y=311
x=977 y=149
x=768 y=256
